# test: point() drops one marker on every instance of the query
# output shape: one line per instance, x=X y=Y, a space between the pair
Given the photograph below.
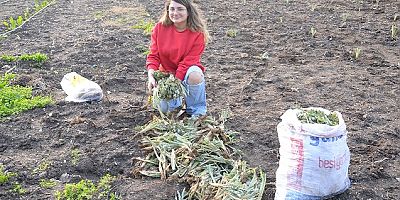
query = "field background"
x=273 y=64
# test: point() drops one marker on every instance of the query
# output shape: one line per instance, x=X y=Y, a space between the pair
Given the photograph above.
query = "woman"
x=177 y=43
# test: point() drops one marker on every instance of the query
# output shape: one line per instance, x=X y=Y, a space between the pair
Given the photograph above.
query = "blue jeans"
x=195 y=99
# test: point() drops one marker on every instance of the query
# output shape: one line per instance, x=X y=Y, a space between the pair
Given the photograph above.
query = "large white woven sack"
x=314 y=158
x=80 y=89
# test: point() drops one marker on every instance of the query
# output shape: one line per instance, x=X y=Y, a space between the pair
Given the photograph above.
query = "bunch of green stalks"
x=168 y=88
x=201 y=153
x=312 y=116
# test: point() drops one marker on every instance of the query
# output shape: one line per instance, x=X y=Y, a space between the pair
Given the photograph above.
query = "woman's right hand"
x=151 y=81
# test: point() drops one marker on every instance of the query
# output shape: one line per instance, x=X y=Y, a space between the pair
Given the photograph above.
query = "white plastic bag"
x=314 y=158
x=80 y=89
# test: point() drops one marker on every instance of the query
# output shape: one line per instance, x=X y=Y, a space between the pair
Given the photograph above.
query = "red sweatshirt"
x=174 y=51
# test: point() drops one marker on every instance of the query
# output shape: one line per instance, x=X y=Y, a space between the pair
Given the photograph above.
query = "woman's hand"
x=151 y=81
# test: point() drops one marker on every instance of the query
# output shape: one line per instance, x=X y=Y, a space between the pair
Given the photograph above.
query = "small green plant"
x=11 y=24
x=8 y=58
x=47 y=184
x=5 y=176
x=104 y=185
x=15 y=99
x=17 y=188
x=38 y=58
x=40 y=5
x=41 y=168
x=357 y=53
x=394 y=30
x=147 y=26
x=75 y=156
x=313 y=31
x=86 y=189
x=27 y=14
x=231 y=33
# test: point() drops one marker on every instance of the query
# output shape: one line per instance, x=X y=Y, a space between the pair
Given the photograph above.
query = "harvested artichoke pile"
x=200 y=153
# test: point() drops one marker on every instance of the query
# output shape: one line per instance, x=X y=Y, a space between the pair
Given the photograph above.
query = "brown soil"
x=94 y=39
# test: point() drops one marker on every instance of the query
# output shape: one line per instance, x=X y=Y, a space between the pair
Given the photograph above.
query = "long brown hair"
x=195 y=21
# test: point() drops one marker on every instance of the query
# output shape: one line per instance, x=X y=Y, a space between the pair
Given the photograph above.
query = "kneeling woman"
x=177 y=43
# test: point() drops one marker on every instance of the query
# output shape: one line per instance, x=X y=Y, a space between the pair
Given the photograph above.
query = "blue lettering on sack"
x=315 y=140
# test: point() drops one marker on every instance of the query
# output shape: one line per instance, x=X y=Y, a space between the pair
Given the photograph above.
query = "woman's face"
x=177 y=13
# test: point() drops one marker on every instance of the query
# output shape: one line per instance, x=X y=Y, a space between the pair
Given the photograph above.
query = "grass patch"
x=41 y=168
x=86 y=189
x=37 y=58
x=15 y=99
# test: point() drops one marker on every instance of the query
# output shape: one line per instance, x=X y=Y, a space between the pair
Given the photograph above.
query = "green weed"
x=147 y=27
x=8 y=58
x=231 y=33
x=12 y=23
x=17 y=188
x=86 y=189
x=36 y=57
x=15 y=99
x=75 y=156
x=5 y=176
x=40 y=5
x=104 y=185
x=41 y=168
x=47 y=184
